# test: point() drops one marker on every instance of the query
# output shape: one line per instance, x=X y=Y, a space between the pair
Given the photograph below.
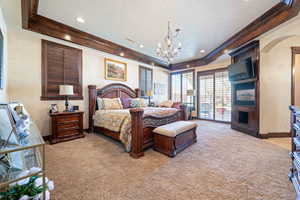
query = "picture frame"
x=115 y=70
x=53 y=108
x=7 y=127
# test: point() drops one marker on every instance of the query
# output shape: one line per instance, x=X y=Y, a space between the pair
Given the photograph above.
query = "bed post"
x=183 y=114
x=137 y=135
x=92 y=106
x=137 y=92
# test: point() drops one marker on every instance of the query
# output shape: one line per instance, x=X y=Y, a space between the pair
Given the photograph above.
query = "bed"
x=141 y=122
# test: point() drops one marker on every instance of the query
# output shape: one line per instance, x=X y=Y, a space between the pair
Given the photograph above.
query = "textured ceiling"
x=205 y=24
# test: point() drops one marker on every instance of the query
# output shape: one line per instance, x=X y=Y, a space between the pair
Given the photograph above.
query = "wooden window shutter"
x=60 y=65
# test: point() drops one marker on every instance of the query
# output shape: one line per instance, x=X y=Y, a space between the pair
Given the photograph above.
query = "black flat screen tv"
x=241 y=70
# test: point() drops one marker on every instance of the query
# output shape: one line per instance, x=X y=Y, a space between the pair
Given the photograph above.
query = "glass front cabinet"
x=22 y=148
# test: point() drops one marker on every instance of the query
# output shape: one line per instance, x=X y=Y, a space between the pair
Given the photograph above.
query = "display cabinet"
x=22 y=148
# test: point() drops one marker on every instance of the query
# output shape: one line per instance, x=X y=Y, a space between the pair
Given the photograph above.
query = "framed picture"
x=115 y=70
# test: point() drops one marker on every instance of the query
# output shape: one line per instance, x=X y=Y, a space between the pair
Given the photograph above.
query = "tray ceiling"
x=205 y=24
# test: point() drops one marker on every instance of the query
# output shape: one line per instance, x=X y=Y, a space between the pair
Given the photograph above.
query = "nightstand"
x=66 y=126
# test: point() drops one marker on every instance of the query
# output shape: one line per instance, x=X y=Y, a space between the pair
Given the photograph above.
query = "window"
x=1 y=60
x=181 y=82
x=214 y=96
x=145 y=80
x=61 y=65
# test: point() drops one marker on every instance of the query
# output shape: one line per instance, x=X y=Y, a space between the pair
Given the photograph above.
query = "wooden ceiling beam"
x=275 y=16
x=43 y=25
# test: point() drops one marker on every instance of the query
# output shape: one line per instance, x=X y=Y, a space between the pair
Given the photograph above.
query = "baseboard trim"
x=275 y=135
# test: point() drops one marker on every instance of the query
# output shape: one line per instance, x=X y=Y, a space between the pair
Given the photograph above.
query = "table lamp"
x=149 y=93
x=66 y=90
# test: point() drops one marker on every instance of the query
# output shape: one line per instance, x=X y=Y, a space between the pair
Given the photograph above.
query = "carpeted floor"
x=223 y=165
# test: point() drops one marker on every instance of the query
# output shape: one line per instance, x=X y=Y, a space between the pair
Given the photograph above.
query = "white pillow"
x=100 y=103
x=167 y=104
x=112 y=104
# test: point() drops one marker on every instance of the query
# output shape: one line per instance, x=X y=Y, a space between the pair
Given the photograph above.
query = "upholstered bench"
x=172 y=138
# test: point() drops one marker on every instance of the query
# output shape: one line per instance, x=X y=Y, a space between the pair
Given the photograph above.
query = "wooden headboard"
x=114 y=90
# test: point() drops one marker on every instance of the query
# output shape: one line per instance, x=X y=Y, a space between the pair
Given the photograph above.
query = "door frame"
x=295 y=50
x=209 y=72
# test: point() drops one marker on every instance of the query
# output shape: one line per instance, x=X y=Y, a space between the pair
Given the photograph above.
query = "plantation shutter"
x=222 y=97
x=145 y=80
x=61 y=65
x=206 y=96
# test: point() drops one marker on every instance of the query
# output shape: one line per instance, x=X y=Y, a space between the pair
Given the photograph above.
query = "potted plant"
x=31 y=188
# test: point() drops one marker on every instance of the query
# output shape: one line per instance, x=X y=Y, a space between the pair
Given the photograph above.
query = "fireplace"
x=243 y=117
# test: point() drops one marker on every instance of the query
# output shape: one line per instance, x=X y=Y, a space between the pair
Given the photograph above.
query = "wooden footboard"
x=141 y=128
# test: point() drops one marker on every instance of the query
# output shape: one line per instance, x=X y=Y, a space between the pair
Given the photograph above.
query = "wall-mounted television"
x=241 y=70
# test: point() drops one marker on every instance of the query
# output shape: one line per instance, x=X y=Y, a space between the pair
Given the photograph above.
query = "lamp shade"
x=190 y=93
x=149 y=93
x=66 y=90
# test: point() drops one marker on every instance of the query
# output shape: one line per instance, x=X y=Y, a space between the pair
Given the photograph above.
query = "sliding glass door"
x=181 y=83
x=214 y=96
x=206 y=96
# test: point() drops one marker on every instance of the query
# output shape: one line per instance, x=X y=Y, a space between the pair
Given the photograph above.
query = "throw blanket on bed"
x=120 y=121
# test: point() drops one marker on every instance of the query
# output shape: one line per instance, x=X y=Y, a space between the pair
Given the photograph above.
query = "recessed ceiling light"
x=141 y=46
x=80 y=19
x=202 y=51
x=67 y=37
x=121 y=54
x=187 y=66
x=226 y=51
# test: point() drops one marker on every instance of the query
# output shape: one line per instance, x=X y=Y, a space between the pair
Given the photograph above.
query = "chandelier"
x=170 y=47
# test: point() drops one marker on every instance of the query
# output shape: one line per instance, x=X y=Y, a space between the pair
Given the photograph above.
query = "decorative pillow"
x=135 y=103
x=112 y=104
x=143 y=102
x=167 y=104
x=100 y=103
x=126 y=102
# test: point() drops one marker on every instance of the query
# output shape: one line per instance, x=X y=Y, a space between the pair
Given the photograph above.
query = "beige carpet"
x=223 y=165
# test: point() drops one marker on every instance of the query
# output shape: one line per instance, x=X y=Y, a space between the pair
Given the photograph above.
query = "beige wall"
x=275 y=77
x=3 y=92
x=24 y=83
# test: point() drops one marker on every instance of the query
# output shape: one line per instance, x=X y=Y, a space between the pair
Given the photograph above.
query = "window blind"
x=145 y=80
x=61 y=65
x=214 y=96
x=222 y=97
x=176 y=87
x=206 y=97
x=180 y=83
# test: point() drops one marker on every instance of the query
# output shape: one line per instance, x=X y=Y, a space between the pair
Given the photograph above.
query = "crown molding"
x=280 y=13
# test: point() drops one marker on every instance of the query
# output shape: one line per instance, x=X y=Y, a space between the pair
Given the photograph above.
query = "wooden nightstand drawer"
x=67 y=133
x=66 y=126
x=68 y=119
x=70 y=126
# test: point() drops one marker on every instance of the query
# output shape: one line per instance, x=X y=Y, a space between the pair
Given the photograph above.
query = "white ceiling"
x=205 y=24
